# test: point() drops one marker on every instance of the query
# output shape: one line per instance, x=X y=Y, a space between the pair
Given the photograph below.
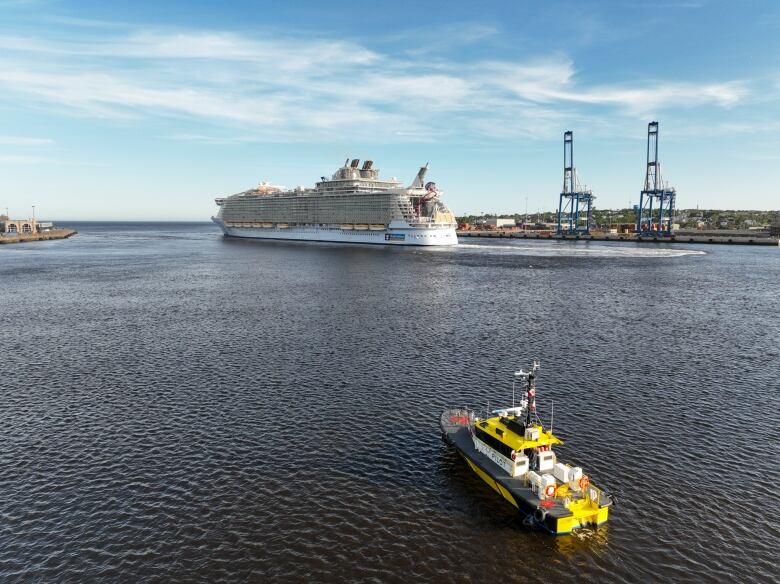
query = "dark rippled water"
x=179 y=407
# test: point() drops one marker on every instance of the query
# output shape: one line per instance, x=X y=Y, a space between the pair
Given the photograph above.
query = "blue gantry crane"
x=575 y=207
x=655 y=214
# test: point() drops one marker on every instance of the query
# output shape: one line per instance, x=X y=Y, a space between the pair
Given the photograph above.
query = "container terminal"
x=654 y=215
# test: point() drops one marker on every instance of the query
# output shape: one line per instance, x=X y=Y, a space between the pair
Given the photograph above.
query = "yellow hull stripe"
x=491 y=483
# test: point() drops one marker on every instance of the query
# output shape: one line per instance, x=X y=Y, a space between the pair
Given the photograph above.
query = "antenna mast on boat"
x=531 y=390
x=552 y=412
x=530 y=378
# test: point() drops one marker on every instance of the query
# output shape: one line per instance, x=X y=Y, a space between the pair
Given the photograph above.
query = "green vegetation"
x=685 y=218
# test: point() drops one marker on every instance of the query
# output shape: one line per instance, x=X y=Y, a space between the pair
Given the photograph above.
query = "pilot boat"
x=512 y=452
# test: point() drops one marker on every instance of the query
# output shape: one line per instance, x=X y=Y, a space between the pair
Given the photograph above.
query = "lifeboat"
x=511 y=451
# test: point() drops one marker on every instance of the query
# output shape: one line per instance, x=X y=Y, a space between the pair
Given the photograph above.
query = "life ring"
x=514 y=455
x=540 y=514
x=584 y=482
x=549 y=490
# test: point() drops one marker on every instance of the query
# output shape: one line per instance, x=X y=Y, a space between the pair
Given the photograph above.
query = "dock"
x=40 y=236
x=627 y=237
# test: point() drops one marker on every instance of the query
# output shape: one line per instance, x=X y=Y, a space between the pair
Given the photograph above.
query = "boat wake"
x=565 y=249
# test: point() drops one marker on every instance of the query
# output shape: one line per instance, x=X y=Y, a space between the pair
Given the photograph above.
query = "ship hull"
x=414 y=236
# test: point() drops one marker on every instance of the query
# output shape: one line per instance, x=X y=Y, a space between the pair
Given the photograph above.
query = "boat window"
x=494 y=443
x=515 y=426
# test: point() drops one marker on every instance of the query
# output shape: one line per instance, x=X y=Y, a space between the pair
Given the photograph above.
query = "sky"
x=149 y=110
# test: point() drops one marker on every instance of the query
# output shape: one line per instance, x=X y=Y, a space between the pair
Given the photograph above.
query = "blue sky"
x=148 y=110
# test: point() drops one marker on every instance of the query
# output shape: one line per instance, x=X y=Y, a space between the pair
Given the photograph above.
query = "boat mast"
x=531 y=391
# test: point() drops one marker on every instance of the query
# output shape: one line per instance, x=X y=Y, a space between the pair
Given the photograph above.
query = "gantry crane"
x=575 y=206
x=655 y=214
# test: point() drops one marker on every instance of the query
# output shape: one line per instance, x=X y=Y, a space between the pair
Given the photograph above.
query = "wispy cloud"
x=24 y=160
x=303 y=87
x=681 y=4
x=439 y=39
x=769 y=19
x=82 y=22
x=25 y=141
x=553 y=80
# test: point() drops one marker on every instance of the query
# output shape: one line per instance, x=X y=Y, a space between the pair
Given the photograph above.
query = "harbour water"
x=179 y=407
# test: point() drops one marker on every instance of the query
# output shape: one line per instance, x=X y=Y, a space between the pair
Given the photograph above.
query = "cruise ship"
x=353 y=206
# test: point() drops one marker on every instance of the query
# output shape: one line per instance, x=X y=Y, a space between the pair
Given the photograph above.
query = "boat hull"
x=386 y=236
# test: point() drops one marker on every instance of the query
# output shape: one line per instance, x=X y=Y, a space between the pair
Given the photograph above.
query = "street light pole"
x=525 y=225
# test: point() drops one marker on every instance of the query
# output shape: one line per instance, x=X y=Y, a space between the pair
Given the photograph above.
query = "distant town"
x=624 y=220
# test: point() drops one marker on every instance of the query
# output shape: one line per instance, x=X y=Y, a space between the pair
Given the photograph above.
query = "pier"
x=39 y=236
x=628 y=237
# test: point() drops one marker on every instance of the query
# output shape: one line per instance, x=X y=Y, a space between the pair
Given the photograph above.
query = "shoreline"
x=43 y=236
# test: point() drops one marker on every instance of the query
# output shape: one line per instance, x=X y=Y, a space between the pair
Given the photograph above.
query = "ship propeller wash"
x=512 y=452
x=353 y=206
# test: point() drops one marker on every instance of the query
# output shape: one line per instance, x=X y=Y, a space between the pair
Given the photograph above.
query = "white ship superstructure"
x=353 y=206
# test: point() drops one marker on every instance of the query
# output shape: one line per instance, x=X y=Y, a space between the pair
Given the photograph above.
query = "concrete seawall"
x=42 y=236
x=709 y=239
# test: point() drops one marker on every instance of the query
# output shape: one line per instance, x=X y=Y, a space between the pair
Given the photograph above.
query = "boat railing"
x=592 y=493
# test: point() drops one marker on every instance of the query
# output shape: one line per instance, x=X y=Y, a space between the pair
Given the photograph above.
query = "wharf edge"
x=726 y=240
x=43 y=236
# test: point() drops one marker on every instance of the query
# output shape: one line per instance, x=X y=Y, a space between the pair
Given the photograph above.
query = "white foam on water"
x=564 y=249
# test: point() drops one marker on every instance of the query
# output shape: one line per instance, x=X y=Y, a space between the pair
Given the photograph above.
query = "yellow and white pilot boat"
x=512 y=452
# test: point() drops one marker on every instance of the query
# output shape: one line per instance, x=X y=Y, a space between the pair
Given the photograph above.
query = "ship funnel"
x=355 y=162
x=367 y=165
x=418 y=181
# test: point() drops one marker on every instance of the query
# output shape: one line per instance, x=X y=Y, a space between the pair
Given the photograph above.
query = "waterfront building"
x=500 y=222
x=24 y=226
